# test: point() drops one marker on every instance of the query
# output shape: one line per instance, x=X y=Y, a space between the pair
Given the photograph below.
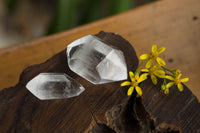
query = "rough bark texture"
x=100 y=108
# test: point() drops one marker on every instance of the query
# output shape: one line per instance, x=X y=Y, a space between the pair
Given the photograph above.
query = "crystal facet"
x=54 y=86
x=96 y=61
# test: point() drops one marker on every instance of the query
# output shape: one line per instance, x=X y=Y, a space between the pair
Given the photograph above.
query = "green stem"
x=165 y=81
x=139 y=65
x=166 y=69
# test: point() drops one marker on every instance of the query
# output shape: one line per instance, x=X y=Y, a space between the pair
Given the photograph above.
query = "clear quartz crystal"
x=96 y=61
x=47 y=86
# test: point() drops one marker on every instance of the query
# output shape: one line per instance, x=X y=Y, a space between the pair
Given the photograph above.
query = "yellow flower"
x=166 y=90
x=154 y=56
x=153 y=72
x=135 y=80
x=178 y=71
x=177 y=81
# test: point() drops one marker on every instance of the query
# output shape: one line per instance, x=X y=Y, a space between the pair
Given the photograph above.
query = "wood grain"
x=174 y=24
x=101 y=108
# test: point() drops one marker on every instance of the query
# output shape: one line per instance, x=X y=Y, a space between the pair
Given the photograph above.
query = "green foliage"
x=66 y=14
x=118 y=6
x=71 y=13
x=11 y=5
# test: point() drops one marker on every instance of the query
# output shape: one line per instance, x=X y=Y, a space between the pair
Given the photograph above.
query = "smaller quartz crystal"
x=47 y=86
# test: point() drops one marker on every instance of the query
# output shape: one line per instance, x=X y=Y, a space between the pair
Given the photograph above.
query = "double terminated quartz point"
x=88 y=57
x=96 y=61
x=47 y=86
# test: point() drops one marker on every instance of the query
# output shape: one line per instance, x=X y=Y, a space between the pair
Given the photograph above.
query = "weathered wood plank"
x=168 y=23
x=100 y=108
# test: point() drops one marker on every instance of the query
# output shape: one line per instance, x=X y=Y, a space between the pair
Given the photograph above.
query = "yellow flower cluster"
x=154 y=72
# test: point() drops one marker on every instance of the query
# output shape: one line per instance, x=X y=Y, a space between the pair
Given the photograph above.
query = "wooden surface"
x=174 y=24
x=103 y=108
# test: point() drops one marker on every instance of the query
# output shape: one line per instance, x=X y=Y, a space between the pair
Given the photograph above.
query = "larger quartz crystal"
x=96 y=61
x=54 y=86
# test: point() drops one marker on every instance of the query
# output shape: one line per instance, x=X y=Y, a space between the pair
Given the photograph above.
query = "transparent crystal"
x=54 y=86
x=96 y=61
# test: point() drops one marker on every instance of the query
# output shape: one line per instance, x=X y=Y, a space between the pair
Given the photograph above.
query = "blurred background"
x=23 y=20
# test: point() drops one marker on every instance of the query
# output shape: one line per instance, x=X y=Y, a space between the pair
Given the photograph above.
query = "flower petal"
x=169 y=77
x=160 y=61
x=125 y=83
x=138 y=90
x=159 y=73
x=179 y=76
x=154 y=48
x=130 y=91
x=170 y=84
x=144 y=56
x=144 y=70
x=142 y=77
x=149 y=63
x=155 y=67
x=154 y=79
x=160 y=50
x=184 y=80
x=131 y=74
x=180 y=87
